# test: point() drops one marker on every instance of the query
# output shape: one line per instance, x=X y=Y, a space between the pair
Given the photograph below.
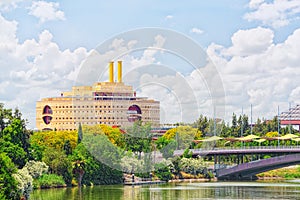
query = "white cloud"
x=169 y=17
x=258 y=71
x=254 y=4
x=9 y=4
x=277 y=13
x=46 y=11
x=196 y=30
x=33 y=69
x=252 y=41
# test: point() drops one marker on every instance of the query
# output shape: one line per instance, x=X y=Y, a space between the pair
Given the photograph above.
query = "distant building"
x=112 y=103
x=291 y=117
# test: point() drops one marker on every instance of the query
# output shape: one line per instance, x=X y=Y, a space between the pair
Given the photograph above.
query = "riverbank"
x=286 y=173
x=193 y=180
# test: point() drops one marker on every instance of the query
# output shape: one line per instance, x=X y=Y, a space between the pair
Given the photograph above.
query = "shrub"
x=163 y=172
x=49 y=180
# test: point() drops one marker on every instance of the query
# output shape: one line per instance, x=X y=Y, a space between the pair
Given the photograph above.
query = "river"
x=180 y=191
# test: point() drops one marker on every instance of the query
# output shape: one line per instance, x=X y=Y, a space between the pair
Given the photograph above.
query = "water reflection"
x=216 y=190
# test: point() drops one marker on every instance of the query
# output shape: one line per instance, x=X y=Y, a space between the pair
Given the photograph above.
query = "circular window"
x=134 y=113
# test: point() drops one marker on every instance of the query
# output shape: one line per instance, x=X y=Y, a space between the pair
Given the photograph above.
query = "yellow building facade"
x=112 y=103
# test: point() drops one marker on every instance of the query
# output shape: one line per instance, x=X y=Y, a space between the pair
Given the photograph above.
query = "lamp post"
x=278 y=125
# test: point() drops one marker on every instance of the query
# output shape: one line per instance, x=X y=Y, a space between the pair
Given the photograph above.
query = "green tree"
x=8 y=184
x=138 y=138
x=162 y=171
x=67 y=147
x=14 y=136
x=202 y=125
x=90 y=168
x=58 y=164
x=80 y=135
x=183 y=135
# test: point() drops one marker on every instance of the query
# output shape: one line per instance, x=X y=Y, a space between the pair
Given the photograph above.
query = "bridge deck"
x=243 y=150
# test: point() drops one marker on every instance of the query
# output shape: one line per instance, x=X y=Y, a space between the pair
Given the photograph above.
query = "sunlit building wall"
x=112 y=103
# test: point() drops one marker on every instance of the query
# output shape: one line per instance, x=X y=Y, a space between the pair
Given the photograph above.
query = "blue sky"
x=251 y=42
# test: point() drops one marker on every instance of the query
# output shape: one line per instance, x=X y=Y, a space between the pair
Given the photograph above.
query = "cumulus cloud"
x=277 y=13
x=252 y=41
x=196 y=30
x=8 y=4
x=34 y=68
x=259 y=71
x=46 y=11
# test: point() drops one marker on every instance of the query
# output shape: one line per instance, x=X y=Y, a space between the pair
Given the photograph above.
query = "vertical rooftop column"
x=120 y=71
x=111 y=72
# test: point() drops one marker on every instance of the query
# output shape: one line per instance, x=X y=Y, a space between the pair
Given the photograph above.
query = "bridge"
x=248 y=161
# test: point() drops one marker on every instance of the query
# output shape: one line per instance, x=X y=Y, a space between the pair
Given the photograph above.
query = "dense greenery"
x=48 y=181
x=100 y=154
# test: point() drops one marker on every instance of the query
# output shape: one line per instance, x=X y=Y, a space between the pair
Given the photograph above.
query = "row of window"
x=87 y=118
x=104 y=106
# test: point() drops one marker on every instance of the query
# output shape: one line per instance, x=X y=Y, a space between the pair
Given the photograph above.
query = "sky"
x=252 y=46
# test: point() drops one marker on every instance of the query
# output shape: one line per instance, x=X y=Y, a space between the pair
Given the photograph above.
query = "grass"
x=49 y=181
x=285 y=173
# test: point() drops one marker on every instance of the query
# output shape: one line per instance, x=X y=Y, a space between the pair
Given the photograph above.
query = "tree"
x=8 y=184
x=162 y=171
x=79 y=134
x=90 y=170
x=58 y=164
x=183 y=135
x=166 y=147
x=14 y=136
x=67 y=147
x=138 y=138
x=202 y=125
x=25 y=176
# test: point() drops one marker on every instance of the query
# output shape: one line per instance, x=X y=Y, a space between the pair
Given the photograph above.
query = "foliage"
x=183 y=135
x=113 y=133
x=271 y=134
x=287 y=173
x=59 y=164
x=80 y=134
x=138 y=138
x=14 y=136
x=53 y=139
x=49 y=181
x=24 y=176
x=8 y=184
x=162 y=171
x=131 y=164
x=36 y=168
x=187 y=153
x=14 y=151
x=67 y=147
x=95 y=172
x=193 y=165
x=25 y=182
x=166 y=147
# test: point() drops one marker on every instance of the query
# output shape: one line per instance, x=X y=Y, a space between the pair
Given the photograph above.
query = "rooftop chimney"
x=111 y=72
x=120 y=71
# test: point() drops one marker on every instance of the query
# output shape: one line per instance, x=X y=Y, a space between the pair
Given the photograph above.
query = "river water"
x=180 y=191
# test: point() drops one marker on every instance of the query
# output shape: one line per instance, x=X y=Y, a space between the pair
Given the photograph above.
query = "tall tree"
x=80 y=135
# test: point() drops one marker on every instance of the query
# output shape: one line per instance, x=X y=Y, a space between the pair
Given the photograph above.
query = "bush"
x=49 y=181
x=163 y=172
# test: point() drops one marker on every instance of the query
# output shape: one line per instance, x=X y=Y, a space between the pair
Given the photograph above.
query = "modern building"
x=112 y=103
x=291 y=117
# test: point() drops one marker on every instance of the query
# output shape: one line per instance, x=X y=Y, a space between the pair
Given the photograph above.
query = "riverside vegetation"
x=31 y=160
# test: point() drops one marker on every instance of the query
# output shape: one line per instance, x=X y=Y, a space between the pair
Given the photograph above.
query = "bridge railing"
x=253 y=147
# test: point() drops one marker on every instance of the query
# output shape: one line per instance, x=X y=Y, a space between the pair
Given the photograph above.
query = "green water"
x=180 y=191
